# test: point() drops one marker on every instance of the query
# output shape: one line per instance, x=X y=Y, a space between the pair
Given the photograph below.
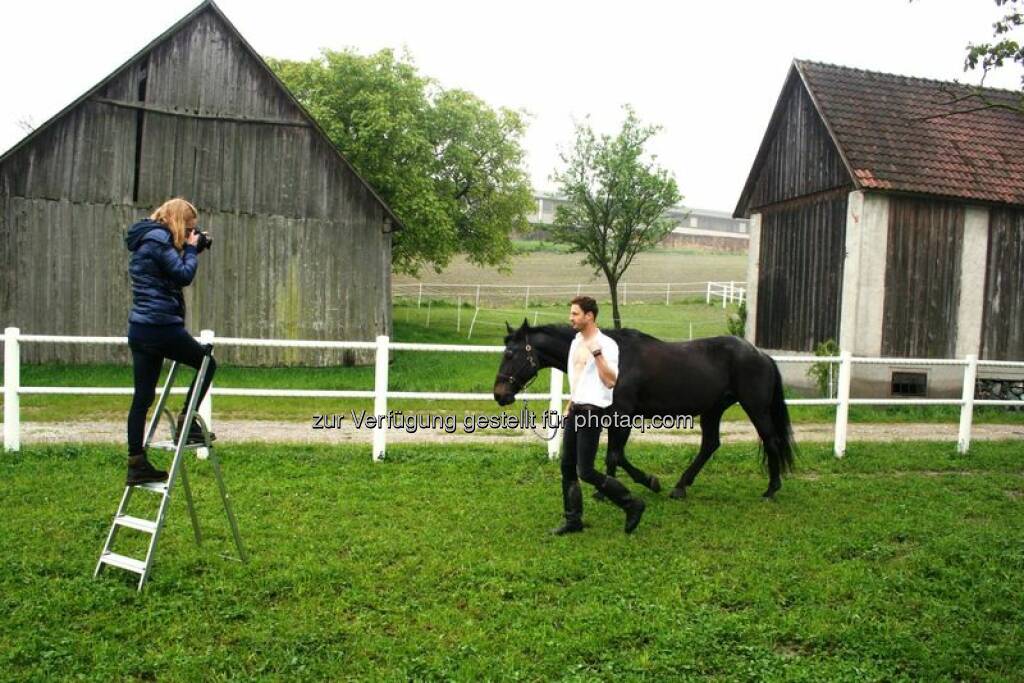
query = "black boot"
x=572 y=502
x=619 y=494
x=195 y=432
x=140 y=471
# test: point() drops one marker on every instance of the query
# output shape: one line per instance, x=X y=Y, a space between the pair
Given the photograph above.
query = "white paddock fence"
x=732 y=291
x=13 y=390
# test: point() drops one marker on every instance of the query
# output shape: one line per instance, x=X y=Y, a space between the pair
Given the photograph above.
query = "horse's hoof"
x=653 y=484
x=678 y=493
x=600 y=497
x=768 y=496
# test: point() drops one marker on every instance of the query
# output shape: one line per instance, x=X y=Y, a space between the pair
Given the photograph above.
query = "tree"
x=993 y=55
x=450 y=166
x=616 y=199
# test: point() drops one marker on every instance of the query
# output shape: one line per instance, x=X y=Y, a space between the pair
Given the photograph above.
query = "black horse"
x=657 y=378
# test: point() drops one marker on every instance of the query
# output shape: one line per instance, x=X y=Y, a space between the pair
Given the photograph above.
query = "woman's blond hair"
x=175 y=214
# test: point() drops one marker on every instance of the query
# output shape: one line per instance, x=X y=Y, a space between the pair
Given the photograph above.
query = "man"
x=593 y=370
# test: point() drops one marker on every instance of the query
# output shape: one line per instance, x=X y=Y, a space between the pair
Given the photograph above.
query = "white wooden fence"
x=13 y=390
x=648 y=292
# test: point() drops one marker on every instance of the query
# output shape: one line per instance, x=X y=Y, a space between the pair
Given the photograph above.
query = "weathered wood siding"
x=922 y=278
x=801 y=158
x=299 y=243
x=1002 y=332
x=801 y=274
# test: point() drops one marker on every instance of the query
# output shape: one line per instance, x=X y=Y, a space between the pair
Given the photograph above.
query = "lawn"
x=899 y=562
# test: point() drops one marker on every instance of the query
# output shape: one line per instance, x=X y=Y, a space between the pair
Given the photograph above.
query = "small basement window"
x=909 y=384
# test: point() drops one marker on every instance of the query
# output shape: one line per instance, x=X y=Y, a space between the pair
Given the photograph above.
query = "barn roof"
x=916 y=135
x=205 y=6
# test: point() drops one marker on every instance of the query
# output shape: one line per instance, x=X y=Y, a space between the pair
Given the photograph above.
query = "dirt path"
x=303 y=432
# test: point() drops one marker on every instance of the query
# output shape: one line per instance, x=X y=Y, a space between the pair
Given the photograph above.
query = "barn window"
x=909 y=383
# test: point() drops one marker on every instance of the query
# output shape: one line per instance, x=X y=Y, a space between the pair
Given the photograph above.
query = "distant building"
x=700 y=228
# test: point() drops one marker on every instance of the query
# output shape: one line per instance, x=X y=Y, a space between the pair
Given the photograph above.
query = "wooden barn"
x=302 y=244
x=887 y=213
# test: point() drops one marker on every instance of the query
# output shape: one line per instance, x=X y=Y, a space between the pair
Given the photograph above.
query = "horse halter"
x=531 y=360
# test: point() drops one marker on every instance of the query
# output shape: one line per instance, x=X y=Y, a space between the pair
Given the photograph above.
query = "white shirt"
x=585 y=385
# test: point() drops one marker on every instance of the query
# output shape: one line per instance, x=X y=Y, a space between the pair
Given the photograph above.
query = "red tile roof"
x=918 y=135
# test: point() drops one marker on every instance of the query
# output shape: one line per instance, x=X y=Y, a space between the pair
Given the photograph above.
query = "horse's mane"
x=567 y=331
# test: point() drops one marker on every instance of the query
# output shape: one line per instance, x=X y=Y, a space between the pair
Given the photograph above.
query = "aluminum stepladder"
x=179 y=445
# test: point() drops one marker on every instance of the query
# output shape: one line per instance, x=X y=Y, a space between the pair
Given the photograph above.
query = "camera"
x=204 y=242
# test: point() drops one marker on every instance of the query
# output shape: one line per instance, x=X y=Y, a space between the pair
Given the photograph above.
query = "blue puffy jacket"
x=158 y=273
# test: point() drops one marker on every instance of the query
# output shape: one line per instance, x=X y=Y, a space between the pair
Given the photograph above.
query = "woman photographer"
x=165 y=250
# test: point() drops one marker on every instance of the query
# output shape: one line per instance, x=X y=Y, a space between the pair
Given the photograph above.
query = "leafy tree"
x=1004 y=47
x=450 y=166
x=616 y=199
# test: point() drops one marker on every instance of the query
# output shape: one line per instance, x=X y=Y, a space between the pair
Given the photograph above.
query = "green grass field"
x=900 y=562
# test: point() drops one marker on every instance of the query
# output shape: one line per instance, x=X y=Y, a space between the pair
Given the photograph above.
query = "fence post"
x=578 y=286
x=668 y=288
x=691 y=330
x=527 y=297
x=477 y=297
x=380 y=398
x=419 y=299
x=555 y=410
x=707 y=299
x=843 y=406
x=206 y=407
x=967 y=406
x=458 y=316
x=429 y=302
x=12 y=385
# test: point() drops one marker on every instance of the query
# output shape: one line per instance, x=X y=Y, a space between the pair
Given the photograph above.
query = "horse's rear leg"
x=616 y=455
x=770 y=438
x=709 y=443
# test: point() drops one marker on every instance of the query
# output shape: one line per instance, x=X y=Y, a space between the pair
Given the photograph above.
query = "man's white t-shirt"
x=585 y=385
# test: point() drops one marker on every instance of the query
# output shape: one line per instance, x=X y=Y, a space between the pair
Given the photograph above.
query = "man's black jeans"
x=150 y=345
x=579 y=445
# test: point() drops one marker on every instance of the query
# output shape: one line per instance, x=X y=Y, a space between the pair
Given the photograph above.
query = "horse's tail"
x=780 y=451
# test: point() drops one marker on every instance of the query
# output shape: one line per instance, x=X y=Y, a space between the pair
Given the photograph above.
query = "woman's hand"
x=193 y=238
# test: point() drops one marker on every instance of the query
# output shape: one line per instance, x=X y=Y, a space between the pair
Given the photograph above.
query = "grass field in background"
x=900 y=562
x=538 y=246
x=554 y=267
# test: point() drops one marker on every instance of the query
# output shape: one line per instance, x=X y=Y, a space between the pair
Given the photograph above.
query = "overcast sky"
x=708 y=72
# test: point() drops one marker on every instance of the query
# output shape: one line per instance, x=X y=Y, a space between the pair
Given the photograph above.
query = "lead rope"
x=554 y=431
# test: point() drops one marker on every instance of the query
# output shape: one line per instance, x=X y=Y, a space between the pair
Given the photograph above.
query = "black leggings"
x=150 y=344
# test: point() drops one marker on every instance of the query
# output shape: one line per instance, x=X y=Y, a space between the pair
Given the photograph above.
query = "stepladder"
x=180 y=445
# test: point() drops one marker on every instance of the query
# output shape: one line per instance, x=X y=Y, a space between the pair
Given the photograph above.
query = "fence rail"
x=12 y=388
x=732 y=291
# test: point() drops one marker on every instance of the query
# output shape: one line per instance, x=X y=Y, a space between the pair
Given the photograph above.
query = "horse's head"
x=519 y=365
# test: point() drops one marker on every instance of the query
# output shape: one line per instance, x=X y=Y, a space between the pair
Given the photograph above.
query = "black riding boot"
x=619 y=494
x=195 y=432
x=572 y=502
x=140 y=471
